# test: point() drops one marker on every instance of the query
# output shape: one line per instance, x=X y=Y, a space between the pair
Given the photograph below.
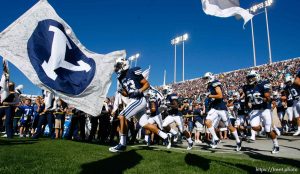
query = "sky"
x=148 y=26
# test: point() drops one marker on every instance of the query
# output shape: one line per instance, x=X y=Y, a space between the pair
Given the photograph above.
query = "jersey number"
x=255 y=98
x=130 y=86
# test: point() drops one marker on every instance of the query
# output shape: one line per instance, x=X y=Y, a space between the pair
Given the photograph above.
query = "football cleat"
x=168 y=140
x=214 y=144
x=190 y=146
x=297 y=133
x=251 y=139
x=275 y=149
x=239 y=146
x=118 y=148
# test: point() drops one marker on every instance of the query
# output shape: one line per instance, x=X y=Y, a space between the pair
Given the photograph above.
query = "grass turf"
x=61 y=156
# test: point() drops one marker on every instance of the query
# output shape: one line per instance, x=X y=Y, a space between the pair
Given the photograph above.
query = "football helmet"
x=236 y=95
x=121 y=65
x=167 y=90
x=253 y=77
x=152 y=94
x=209 y=77
x=288 y=79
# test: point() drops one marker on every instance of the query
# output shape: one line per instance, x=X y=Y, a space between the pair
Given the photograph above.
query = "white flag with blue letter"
x=44 y=47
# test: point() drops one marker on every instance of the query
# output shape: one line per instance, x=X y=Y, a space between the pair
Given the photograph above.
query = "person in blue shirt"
x=27 y=113
x=132 y=84
x=218 y=110
x=258 y=102
x=38 y=108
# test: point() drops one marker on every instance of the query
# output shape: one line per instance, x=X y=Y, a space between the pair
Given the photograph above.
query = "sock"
x=275 y=142
x=147 y=138
x=123 y=139
x=235 y=134
x=162 y=134
x=298 y=128
x=213 y=133
x=189 y=140
x=172 y=131
x=253 y=132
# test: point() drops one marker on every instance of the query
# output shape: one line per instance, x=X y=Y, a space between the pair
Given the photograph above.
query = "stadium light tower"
x=264 y=5
x=134 y=58
x=175 y=42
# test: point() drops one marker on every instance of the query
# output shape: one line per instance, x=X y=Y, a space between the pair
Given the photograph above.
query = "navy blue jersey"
x=279 y=104
x=292 y=92
x=26 y=110
x=217 y=104
x=255 y=95
x=198 y=116
x=130 y=81
x=170 y=99
x=239 y=106
x=289 y=97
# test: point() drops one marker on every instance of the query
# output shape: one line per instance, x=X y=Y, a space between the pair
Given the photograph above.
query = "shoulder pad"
x=266 y=84
x=137 y=70
x=216 y=83
x=174 y=97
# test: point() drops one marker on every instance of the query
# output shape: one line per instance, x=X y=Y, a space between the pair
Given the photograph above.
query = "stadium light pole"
x=253 y=43
x=175 y=42
x=264 y=5
x=134 y=58
x=184 y=38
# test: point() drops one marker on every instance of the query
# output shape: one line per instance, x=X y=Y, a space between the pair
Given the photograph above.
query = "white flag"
x=225 y=8
x=44 y=47
x=4 y=81
x=146 y=73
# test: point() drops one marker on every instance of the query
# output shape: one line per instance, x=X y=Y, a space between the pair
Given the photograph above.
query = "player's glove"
x=206 y=94
x=136 y=93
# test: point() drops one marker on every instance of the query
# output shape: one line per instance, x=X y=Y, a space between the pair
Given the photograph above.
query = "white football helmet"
x=236 y=95
x=152 y=94
x=288 y=79
x=209 y=77
x=253 y=77
x=121 y=64
x=167 y=90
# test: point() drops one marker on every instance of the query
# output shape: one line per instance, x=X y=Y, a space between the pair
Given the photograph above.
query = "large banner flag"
x=44 y=47
x=225 y=8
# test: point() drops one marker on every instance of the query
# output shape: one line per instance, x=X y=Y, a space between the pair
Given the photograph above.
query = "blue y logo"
x=59 y=63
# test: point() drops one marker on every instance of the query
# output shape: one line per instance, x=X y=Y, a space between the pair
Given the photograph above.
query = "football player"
x=239 y=108
x=258 y=101
x=218 y=110
x=174 y=115
x=132 y=84
x=292 y=95
x=154 y=112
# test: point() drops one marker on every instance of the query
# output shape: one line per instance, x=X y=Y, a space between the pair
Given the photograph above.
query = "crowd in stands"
x=231 y=81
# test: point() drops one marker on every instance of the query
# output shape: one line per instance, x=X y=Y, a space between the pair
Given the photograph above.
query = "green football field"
x=61 y=156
